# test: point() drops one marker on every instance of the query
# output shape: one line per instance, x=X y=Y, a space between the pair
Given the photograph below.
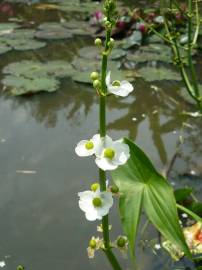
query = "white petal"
x=82 y=151
x=105 y=164
x=107 y=200
x=122 y=151
x=123 y=90
x=85 y=202
x=108 y=78
x=101 y=144
x=92 y=215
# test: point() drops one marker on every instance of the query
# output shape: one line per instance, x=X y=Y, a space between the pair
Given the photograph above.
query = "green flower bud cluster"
x=96 y=81
x=110 y=9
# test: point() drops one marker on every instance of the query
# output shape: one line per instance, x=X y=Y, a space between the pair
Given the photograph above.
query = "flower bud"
x=114 y=189
x=97 y=84
x=98 y=42
x=108 y=25
x=121 y=242
x=111 y=43
x=92 y=243
x=94 y=76
x=20 y=267
x=94 y=186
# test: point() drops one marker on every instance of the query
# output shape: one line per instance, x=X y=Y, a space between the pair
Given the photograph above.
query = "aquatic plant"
x=135 y=182
x=183 y=42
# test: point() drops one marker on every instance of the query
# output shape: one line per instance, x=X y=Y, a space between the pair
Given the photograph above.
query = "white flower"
x=2 y=264
x=110 y=154
x=94 y=245
x=118 y=88
x=95 y=204
x=85 y=147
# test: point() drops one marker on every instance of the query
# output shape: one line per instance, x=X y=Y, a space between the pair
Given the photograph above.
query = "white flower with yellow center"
x=85 y=148
x=95 y=204
x=110 y=154
x=119 y=88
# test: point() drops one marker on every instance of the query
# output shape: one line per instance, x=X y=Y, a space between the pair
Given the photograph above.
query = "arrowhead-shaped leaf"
x=140 y=186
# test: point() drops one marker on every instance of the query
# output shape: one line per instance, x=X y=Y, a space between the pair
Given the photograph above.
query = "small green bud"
x=111 y=43
x=92 y=243
x=89 y=145
x=96 y=84
x=105 y=19
x=94 y=76
x=109 y=153
x=98 y=42
x=121 y=242
x=114 y=189
x=108 y=25
x=95 y=186
x=20 y=267
x=97 y=202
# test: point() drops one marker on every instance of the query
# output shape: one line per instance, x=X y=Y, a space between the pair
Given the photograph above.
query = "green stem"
x=102 y=175
x=189 y=212
x=112 y=259
x=198 y=22
x=189 y=52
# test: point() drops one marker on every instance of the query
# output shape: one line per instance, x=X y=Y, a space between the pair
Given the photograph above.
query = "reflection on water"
x=41 y=225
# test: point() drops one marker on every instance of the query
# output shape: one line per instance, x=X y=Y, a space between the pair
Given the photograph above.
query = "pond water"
x=41 y=225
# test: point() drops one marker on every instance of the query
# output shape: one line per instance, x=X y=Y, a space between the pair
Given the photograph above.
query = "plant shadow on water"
x=41 y=226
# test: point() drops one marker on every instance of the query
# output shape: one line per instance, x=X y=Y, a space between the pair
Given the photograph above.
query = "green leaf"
x=141 y=186
x=181 y=194
x=151 y=74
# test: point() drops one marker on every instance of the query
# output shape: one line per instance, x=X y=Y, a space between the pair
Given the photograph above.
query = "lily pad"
x=19 y=39
x=53 y=30
x=134 y=40
x=4 y=48
x=60 y=33
x=29 y=77
x=151 y=74
x=30 y=69
x=89 y=52
x=117 y=54
x=23 y=86
x=6 y=28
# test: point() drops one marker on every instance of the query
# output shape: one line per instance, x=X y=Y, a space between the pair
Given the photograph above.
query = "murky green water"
x=41 y=225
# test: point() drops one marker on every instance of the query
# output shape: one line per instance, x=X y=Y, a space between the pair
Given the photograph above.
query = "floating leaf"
x=140 y=186
x=89 y=52
x=27 y=77
x=6 y=28
x=19 y=39
x=32 y=69
x=151 y=74
x=4 y=48
x=23 y=86
x=133 y=40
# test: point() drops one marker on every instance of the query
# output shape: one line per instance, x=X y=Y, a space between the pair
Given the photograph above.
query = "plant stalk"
x=102 y=175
